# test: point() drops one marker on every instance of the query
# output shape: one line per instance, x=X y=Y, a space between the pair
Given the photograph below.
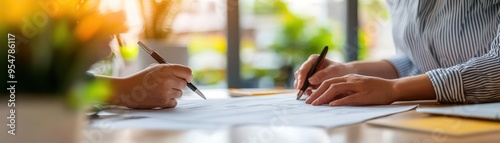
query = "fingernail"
x=308 y=101
x=313 y=80
x=334 y=103
x=314 y=103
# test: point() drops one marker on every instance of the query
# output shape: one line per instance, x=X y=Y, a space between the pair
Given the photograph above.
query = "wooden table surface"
x=362 y=132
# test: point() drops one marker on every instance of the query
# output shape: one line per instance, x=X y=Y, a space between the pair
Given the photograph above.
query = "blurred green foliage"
x=297 y=37
x=300 y=37
x=209 y=76
x=129 y=52
x=200 y=44
x=56 y=48
x=206 y=43
x=94 y=92
x=372 y=11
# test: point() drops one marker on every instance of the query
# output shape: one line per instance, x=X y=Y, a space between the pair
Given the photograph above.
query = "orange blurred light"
x=17 y=10
x=88 y=27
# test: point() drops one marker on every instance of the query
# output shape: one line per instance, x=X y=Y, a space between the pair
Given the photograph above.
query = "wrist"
x=352 y=67
x=117 y=85
x=397 y=85
x=413 y=88
x=381 y=69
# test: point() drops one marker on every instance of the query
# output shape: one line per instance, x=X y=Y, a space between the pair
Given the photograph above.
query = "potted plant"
x=158 y=17
x=51 y=46
x=297 y=39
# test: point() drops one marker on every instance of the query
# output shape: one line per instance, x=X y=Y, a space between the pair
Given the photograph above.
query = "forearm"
x=380 y=68
x=413 y=88
x=115 y=85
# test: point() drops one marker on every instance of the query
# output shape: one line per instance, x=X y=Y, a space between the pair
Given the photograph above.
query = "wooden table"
x=362 y=132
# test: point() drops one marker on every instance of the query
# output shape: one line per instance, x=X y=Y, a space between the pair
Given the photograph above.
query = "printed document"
x=275 y=110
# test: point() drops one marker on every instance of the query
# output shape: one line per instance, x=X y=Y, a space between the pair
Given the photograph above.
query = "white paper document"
x=276 y=110
x=485 y=111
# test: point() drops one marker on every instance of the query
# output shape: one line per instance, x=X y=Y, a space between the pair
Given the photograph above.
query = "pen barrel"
x=158 y=58
x=314 y=68
x=306 y=82
x=191 y=86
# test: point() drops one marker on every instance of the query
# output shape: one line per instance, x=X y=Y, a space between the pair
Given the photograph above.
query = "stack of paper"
x=277 y=110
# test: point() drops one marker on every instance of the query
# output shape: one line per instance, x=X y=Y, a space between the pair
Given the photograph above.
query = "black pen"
x=312 y=71
x=160 y=60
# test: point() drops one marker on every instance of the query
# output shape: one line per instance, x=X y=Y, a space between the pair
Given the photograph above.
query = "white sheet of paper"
x=485 y=111
x=276 y=110
x=153 y=124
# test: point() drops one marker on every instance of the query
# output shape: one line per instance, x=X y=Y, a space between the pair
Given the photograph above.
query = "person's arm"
x=413 y=88
x=405 y=89
x=382 y=69
x=116 y=85
x=475 y=81
x=398 y=66
x=370 y=83
x=155 y=86
x=355 y=89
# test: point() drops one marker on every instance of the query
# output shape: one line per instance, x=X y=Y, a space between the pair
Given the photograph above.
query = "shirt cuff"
x=402 y=64
x=447 y=85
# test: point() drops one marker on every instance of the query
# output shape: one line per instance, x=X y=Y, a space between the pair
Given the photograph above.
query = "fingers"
x=161 y=85
x=309 y=92
x=176 y=83
x=319 y=76
x=355 y=99
x=324 y=87
x=152 y=65
x=174 y=93
x=165 y=100
x=180 y=71
x=295 y=84
x=317 y=93
x=333 y=91
x=172 y=103
x=168 y=100
x=301 y=74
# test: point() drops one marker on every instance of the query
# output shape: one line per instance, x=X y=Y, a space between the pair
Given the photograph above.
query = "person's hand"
x=354 y=89
x=156 y=86
x=327 y=69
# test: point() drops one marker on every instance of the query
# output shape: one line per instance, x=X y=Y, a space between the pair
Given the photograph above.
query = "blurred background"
x=247 y=43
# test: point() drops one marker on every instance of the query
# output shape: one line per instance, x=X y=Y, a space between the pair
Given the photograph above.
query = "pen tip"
x=201 y=94
x=299 y=94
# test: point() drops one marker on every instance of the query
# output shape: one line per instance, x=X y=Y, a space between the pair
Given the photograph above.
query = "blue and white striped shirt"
x=455 y=42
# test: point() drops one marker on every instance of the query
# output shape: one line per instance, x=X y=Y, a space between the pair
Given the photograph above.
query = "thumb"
x=319 y=77
x=153 y=64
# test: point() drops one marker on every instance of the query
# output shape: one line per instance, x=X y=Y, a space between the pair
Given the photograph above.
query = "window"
x=276 y=36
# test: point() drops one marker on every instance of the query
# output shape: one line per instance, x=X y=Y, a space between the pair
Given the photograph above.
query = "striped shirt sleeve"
x=475 y=81
x=403 y=65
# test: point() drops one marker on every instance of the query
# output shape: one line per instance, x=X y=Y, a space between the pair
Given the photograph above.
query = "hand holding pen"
x=157 y=86
x=311 y=71
x=160 y=60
